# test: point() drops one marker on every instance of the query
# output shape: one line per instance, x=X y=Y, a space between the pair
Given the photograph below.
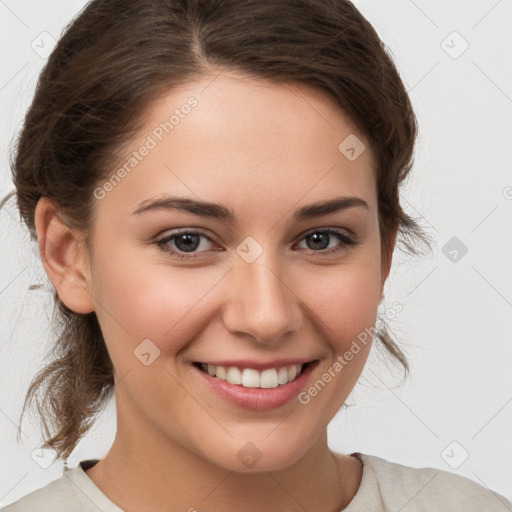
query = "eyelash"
x=347 y=242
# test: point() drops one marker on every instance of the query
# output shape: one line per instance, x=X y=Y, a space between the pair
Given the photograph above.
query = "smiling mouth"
x=251 y=378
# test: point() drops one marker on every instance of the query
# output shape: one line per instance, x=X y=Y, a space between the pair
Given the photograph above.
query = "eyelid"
x=188 y=230
x=342 y=231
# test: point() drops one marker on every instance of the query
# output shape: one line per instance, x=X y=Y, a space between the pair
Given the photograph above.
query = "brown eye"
x=184 y=244
x=319 y=240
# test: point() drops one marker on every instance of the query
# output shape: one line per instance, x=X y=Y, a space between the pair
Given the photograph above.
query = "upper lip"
x=258 y=365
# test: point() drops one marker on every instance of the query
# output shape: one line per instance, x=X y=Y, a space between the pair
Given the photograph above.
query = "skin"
x=262 y=150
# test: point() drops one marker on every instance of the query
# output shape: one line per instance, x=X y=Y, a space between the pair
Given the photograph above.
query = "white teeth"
x=251 y=378
x=234 y=375
x=282 y=377
x=269 y=378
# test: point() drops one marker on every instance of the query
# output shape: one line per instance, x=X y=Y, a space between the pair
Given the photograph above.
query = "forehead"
x=232 y=138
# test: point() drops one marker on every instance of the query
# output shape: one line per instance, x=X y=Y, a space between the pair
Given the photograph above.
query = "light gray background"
x=456 y=321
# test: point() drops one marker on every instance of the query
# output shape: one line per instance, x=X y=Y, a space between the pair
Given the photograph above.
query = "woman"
x=214 y=187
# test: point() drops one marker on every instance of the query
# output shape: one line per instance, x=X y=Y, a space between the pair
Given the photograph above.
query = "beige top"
x=385 y=486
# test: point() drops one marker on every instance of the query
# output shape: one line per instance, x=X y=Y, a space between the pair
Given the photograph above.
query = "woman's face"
x=265 y=289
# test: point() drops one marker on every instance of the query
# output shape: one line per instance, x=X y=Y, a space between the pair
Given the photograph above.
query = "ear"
x=64 y=257
x=387 y=257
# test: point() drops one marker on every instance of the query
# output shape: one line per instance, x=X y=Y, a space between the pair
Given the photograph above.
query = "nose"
x=261 y=302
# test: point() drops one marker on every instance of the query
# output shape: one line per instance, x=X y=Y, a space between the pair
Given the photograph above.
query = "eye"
x=186 y=243
x=319 y=239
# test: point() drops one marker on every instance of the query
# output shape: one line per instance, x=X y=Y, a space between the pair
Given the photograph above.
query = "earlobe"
x=64 y=257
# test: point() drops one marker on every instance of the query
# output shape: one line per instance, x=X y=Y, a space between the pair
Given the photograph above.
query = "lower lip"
x=257 y=398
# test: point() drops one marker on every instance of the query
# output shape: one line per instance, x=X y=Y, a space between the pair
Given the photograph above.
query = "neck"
x=139 y=476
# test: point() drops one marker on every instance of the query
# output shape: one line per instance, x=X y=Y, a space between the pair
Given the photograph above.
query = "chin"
x=244 y=456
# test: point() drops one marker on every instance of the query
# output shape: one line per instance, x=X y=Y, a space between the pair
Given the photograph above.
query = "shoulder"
x=427 y=488
x=57 y=496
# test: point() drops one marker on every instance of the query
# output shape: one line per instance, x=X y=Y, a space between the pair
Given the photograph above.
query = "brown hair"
x=117 y=57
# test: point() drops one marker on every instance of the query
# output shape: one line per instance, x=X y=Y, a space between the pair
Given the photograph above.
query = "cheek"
x=345 y=302
x=344 y=306
x=137 y=301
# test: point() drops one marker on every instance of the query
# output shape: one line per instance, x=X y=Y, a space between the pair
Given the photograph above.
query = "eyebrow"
x=217 y=211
